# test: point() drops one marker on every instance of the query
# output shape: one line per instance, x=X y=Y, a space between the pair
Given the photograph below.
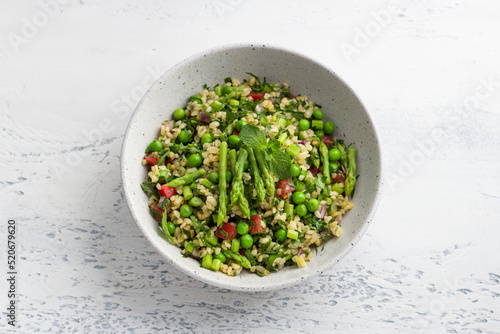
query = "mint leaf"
x=280 y=163
x=253 y=137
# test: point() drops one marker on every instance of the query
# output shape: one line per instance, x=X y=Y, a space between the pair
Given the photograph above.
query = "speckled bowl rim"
x=238 y=285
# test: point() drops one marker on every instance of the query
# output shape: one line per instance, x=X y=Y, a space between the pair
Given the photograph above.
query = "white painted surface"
x=68 y=87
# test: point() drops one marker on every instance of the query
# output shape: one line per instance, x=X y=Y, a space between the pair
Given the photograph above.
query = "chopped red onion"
x=322 y=211
x=161 y=200
x=303 y=142
x=204 y=118
x=273 y=100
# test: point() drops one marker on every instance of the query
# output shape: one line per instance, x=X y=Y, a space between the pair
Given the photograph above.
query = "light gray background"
x=71 y=73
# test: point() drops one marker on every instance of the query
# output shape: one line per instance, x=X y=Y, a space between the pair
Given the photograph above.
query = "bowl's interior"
x=305 y=77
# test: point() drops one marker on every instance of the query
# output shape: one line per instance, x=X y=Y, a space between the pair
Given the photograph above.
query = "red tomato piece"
x=257 y=224
x=338 y=178
x=151 y=160
x=156 y=212
x=236 y=133
x=314 y=170
x=230 y=229
x=167 y=191
x=285 y=188
x=256 y=95
x=327 y=140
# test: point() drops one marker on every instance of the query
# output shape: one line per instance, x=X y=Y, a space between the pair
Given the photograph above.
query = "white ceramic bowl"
x=305 y=76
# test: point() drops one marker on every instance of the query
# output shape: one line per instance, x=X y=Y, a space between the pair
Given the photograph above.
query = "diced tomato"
x=292 y=96
x=230 y=229
x=156 y=212
x=151 y=160
x=257 y=224
x=167 y=191
x=235 y=132
x=285 y=187
x=314 y=170
x=327 y=140
x=256 y=95
x=338 y=178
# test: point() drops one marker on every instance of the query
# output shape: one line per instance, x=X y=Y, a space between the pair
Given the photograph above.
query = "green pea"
x=301 y=210
x=298 y=197
x=280 y=235
x=318 y=114
x=195 y=202
x=195 y=160
x=206 y=138
x=214 y=177
x=171 y=228
x=334 y=168
x=221 y=257
x=264 y=121
x=313 y=205
x=155 y=146
x=242 y=228
x=246 y=241
x=303 y=173
x=295 y=170
x=234 y=140
x=329 y=127
x=226 y=90
x=304 y=125
x=186 y=210
x=240 y=124
x=179 y=114
x=302 y=135
x=253 y=212
x=334 y=154
x=319 y=133
x=184 y=137
x=229 y=176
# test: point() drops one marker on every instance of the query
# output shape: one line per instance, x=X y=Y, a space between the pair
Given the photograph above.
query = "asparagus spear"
x=186 y=179
x=266 y=175
x=222 y=184
x=343 y=155
x=243 y=261
x=350 y=180
x=232 y=160
x=237 y=193
x=259 y=184
x=323 y=150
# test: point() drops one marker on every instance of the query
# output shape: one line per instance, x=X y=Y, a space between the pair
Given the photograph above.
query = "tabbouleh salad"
x=248 y=175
